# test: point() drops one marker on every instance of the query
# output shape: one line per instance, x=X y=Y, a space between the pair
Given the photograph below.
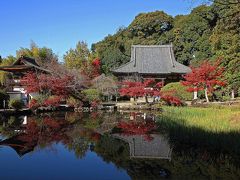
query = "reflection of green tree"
x=112 y=150
x=92 y=123
x=73 y=117
x=79 y=146
x=9 y=124
x=80 y=140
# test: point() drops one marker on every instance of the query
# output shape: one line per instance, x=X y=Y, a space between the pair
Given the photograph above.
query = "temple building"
x=21 y=66
x=154 y=61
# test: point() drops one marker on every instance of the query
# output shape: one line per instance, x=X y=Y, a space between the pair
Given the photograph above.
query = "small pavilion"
x=21 y=66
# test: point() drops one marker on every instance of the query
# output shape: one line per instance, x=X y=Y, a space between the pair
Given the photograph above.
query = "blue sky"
x=59 y=24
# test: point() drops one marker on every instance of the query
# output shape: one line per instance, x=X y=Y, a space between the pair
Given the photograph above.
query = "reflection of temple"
x=20 y=146
x=157 y=148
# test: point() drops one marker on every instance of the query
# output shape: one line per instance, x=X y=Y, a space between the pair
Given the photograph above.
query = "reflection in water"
x=130 y=142
x=20 y=146
x=157 y=148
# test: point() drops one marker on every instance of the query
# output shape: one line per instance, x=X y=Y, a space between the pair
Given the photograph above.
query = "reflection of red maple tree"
x=45 y=132
x=138 y=128
x=30 y=137
x=95 y=136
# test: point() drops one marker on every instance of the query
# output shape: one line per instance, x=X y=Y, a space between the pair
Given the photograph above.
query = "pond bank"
x=10 y=112
x=140 y=107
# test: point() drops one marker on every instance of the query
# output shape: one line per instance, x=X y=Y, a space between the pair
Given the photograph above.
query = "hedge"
x=180 y=91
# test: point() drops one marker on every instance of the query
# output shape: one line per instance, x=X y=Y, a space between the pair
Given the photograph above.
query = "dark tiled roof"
x=156 y=59
x=23 y=63
x=26 y=61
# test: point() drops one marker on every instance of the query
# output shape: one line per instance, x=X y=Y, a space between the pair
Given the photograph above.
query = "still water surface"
x=106 y=146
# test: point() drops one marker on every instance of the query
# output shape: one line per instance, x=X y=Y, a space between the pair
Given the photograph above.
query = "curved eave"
x=15 y=68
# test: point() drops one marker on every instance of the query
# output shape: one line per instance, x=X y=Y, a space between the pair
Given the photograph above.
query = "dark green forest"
x=209 y=32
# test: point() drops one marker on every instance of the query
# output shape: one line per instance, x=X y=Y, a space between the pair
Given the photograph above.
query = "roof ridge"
x=131 y=61
x=152 y=46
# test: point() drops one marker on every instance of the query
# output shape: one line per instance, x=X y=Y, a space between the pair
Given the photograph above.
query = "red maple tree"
x=55 y=87
x=146 y=88
x=170 y=98
x=205 y=77
x=91 y=69
x=46 y=83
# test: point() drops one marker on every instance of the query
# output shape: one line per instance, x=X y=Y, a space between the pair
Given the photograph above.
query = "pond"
x=106 y=145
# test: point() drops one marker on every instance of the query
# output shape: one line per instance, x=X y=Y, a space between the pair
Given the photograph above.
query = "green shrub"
x=226 y=98
x=92 y=94
x=220 y=95
x=180 y=91
x=16 y=104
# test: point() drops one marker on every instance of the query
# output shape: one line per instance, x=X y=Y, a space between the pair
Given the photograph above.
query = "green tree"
x=223 y=2
x=225 y=41
x=6 y=62
x=191 y=35
x=146 y=29
x=43 y=56
x=74 y=58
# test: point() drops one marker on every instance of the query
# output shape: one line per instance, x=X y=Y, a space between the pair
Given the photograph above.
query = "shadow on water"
x=133 y=142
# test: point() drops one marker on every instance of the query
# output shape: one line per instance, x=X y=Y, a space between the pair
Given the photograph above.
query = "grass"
x=212 y=119
x=216 y=129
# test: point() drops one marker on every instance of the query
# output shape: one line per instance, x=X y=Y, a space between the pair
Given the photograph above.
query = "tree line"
x=209 y=32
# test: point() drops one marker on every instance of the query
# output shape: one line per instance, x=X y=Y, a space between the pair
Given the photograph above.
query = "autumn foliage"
x=33 y=104
x=52 y=101
x=170 y=98
x=46 y=83
x=150 y=88
x=205 y=77
x=91 y=69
